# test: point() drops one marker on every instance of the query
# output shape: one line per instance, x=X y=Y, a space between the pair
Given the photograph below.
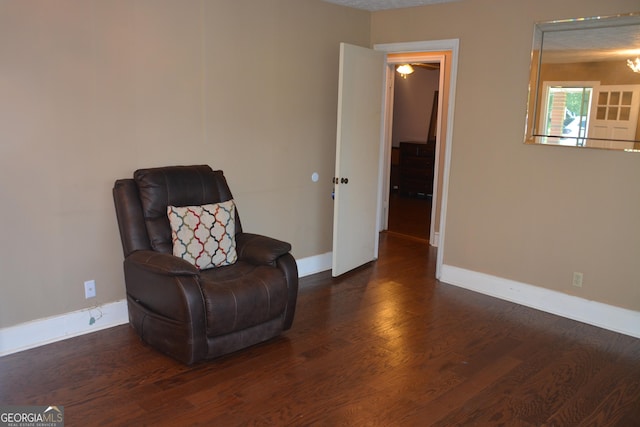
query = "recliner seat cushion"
x=242 y=295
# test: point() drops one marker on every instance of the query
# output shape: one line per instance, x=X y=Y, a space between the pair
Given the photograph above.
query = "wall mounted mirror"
x=584 y=87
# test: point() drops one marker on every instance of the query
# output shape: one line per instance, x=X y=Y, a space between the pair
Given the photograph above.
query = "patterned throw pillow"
x=204 y=235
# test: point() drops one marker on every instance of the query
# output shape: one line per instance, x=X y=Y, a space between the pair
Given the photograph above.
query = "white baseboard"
x=57 y=328
x=593 y=313
x=314 y=264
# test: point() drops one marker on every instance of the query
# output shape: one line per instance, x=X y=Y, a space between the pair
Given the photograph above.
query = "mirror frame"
x=535 y=95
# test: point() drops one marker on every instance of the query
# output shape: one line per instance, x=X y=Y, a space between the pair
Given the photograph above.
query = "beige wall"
x=92 y=90
x=533 y=214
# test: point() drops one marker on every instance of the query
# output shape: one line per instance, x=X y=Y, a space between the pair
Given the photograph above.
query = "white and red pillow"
x=204 y=235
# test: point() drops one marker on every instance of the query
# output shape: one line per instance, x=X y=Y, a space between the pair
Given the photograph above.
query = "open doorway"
x=358 y=64
x=430 y=137
x=413 y=149
x=446 y=53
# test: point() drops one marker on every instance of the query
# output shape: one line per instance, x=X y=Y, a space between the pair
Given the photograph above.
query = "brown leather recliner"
x=193 y=314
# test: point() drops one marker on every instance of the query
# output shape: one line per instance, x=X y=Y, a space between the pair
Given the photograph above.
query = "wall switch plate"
x=90 y=289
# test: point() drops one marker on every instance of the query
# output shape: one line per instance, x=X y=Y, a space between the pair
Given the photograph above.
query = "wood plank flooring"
x=385 y=345
x=410 y=216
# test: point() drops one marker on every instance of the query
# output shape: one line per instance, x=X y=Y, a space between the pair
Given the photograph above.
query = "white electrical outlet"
x=577 y=279
x=90 y=289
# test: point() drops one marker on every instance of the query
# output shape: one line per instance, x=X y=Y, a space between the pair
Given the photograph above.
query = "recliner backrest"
x=158 y=188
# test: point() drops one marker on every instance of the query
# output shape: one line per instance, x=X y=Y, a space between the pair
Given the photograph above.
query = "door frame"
x=419 y=47
x=421 y=58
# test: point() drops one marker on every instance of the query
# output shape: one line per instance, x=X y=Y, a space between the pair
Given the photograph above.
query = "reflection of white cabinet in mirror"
x=582 y=93
x=614 y=116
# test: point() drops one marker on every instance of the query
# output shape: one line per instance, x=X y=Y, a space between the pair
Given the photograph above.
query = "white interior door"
x=614 y=116
x=360 y=89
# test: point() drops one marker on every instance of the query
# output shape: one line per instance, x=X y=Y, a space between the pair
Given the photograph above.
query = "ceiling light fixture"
x=634 y=65
x=404 y=70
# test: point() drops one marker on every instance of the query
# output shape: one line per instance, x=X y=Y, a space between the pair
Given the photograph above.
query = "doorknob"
x=344 y=180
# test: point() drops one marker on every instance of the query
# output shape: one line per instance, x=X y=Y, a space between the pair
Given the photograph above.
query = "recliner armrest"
x=161 y=263
x=165 y=285
x=259 y=249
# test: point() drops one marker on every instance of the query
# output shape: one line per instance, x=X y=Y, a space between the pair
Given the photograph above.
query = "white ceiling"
x=593 y=40
x=373 y=5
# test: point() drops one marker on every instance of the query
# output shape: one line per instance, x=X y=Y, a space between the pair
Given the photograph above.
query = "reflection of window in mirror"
x=566 y=111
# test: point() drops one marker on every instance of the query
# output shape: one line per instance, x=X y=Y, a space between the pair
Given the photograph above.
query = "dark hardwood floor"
x=385 y=345
x=410 y=216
